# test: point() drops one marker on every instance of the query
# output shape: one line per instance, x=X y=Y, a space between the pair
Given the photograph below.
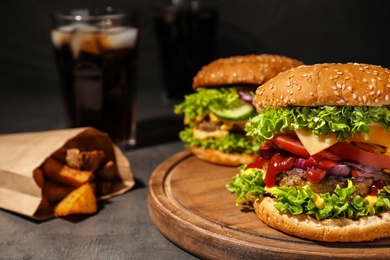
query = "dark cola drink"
x=98 y=74
x=186 y=37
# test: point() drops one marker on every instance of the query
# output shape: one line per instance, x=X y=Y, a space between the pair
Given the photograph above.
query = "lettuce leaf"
x=197 y=104
x=297 y=200
x=247 y=183
x=233 y=142
x=344 y=121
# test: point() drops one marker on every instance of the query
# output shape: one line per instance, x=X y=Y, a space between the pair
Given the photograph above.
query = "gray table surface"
x=123 y=228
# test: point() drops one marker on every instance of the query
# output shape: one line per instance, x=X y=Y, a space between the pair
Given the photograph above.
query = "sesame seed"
x=372 y=93
x=311 y=93
x=336 y=93
x=349 y=88
x=376 y=100
x=354 y=96
x=371 y=87
x=339 y=72
x=378 y=92
x=364 y=98
x=365 y=80
x=304 y=75
x=387 y=97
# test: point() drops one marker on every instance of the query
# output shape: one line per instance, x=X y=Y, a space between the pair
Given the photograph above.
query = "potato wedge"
x=80 y=201
x=102 y=187
x=72 y=158
x=38 y=177
x=56 y=171
x=84 y=160
x=54 y=192
x=44 y=204
x=107 y=172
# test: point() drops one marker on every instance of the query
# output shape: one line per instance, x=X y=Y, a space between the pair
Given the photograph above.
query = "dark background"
x=311 y=31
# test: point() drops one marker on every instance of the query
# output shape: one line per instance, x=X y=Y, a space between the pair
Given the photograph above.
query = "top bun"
x=333 y=84
x=248 y=69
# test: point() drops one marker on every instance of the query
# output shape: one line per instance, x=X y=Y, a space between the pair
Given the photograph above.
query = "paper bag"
x=21 y=154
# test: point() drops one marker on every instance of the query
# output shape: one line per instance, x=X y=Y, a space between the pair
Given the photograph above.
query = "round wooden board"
x=189 y=204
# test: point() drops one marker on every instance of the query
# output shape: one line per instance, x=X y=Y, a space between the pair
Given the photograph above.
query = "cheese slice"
x=315 y=144
x=378 y=135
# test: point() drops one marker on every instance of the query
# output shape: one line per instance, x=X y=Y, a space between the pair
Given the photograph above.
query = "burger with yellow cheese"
x=215 y=115
x=324 y=166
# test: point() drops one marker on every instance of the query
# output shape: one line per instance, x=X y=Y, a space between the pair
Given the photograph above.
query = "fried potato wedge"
x=107 y=172
x=54 y=192
x=56 y=171
x=84 y=160
x=38 y=177
x=80 y=201
x=72 y=158
x=102 y=187
x=44 y=204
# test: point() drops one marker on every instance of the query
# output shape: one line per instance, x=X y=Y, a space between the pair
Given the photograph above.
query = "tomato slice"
x=296 y=147
x=348 y=151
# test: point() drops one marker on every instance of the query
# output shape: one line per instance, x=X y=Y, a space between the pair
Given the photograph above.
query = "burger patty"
x=208 y=126
x=296 y=177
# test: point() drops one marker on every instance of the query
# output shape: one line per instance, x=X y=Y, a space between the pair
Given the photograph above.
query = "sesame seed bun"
x=218 y=157
x=246 y=69
x=327 y=230
x=350 y=84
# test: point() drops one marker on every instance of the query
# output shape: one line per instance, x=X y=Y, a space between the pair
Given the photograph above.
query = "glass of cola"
x=97 y=57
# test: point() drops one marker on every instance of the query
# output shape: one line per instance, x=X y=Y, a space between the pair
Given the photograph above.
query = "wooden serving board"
x=189 y=204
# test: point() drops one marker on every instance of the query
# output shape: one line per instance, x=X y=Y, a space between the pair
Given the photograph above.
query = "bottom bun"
x=327 y=230
x=218 y=157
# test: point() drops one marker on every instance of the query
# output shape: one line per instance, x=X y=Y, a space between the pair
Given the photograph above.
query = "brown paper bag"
x=21 y=154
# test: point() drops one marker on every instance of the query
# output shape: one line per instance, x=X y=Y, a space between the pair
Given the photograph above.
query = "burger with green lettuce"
x=216 y=113
x=324 y=167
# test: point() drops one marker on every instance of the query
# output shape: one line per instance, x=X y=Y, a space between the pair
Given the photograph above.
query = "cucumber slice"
x=242 y=112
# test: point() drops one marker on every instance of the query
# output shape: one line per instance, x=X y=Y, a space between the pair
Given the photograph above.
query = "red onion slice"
x=245 y=96
x=340 y=170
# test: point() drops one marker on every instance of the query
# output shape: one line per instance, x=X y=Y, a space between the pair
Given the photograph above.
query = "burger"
x=324 y=164
x=216 y=113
